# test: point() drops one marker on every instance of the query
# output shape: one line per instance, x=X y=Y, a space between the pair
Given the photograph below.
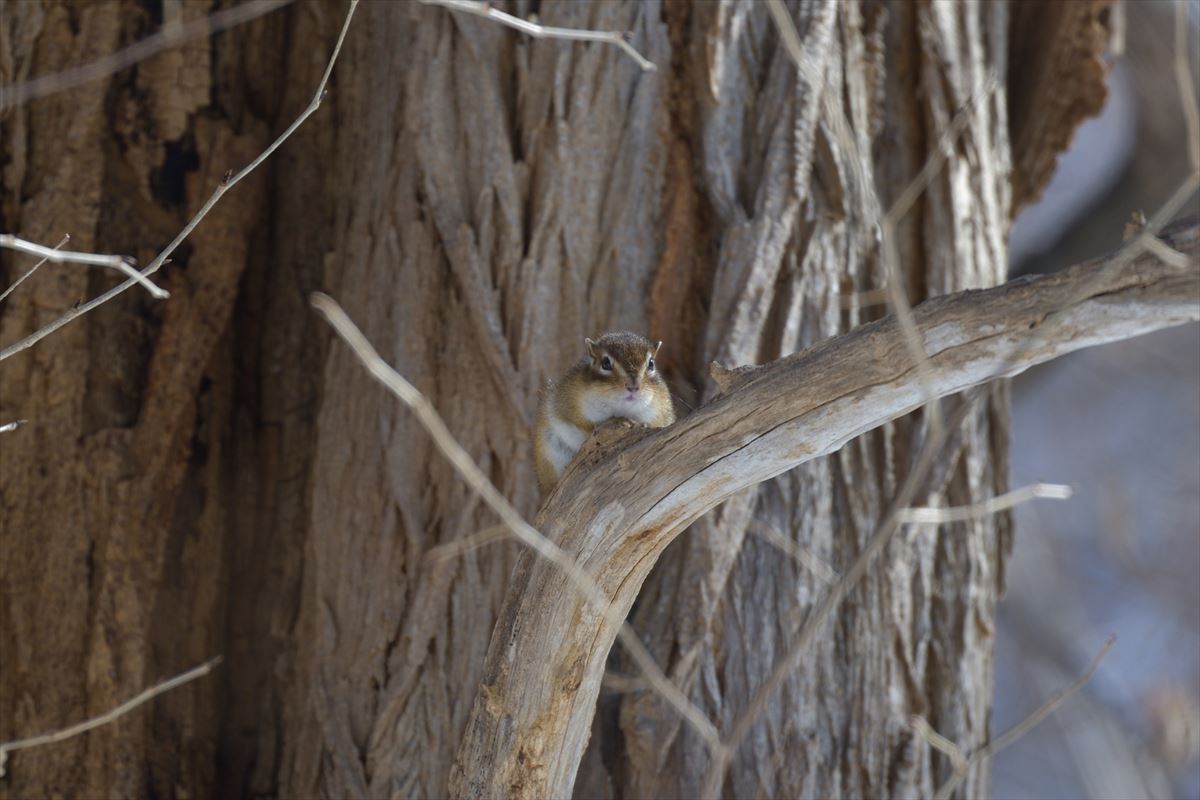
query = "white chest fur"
x=562 y=442
x=599 y=407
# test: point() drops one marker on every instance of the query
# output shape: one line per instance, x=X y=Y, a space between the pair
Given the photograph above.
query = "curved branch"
x=620 y=504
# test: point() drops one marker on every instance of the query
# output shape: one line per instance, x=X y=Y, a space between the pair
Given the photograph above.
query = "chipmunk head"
x=626 y=361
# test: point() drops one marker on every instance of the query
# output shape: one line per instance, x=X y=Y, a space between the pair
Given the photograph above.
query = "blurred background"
x=1120 y=424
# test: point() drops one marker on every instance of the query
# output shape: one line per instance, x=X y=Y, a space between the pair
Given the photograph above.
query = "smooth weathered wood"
x=617 y=508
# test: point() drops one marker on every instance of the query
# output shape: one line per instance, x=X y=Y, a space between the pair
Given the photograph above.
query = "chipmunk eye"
x=650 y=365
x=606 y=364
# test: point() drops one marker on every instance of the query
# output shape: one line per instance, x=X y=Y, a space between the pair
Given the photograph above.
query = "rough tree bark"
x=200 y=477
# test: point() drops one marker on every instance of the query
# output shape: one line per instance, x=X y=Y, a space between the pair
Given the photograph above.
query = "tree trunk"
x=206 y=476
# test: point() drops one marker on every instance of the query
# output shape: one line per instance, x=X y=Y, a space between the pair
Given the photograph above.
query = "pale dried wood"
x=619 y=506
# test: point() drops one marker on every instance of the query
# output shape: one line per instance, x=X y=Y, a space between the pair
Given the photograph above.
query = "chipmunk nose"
x=633 y=387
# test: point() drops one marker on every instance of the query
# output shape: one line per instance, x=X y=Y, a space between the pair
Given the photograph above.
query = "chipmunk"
x=617 y=378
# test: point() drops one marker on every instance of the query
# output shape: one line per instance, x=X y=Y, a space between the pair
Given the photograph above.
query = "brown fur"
x=628 y=354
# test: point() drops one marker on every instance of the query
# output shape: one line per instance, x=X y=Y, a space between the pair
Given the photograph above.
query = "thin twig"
x=474 y=477
x=226 y=184
x=802 y=555
x=865 y=298
x=1183 y=80
x=963 y=765
x=1118 y=24
x=12 y=426
x=458 y=547
x=791 y=41
x=119 y=263
x=615 y=683
x=66 y=238
x=1166 y=253
x=108 y=716
x=168 y=36
x=993 y=505
x=1147 y=239
x=952 y=751
x=481 y=8
x=938 y=156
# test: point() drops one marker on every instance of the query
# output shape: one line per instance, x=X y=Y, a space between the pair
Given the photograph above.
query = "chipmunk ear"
x=590 y=347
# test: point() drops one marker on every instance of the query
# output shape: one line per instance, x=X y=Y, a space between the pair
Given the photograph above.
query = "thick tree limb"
x=620 y=504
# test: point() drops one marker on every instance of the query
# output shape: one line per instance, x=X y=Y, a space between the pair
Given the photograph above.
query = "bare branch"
x=473 y=476
x=108 y=716
x=1183 y=80
x=952 y=751
x=865 y=299
x=937 y=157
x=617 y=507
x=1119 y=26
x=993 y=505
x=481 y=8
x=490 y=534
x=168 y=36
x=119 y=263
x=229 y=182
x=66 y=238
x=802 y=555
x=963 y=765
x=791 y=41
x=1167 y=254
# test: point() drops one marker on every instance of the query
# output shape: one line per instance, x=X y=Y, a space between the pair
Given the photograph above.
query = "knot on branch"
x=728 y=379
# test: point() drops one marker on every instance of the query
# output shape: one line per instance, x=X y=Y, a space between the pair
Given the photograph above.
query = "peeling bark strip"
x=619 y=505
